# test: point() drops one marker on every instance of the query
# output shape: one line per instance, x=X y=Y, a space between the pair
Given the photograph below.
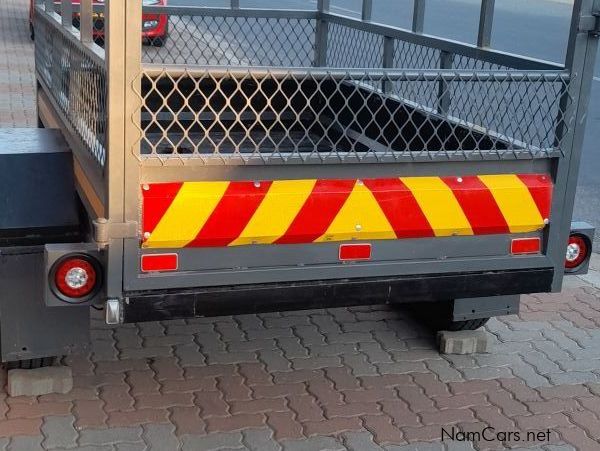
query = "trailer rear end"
x=276 y=159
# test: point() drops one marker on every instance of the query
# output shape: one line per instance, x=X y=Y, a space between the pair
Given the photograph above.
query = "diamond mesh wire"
x=76 y=82
x=286 y=115
x=234 y=41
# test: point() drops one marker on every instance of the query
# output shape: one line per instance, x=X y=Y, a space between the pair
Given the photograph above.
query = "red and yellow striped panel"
x=217 y=214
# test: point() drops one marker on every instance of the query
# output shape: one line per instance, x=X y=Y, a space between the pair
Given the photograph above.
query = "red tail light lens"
x=75 y=277
x=577 y=251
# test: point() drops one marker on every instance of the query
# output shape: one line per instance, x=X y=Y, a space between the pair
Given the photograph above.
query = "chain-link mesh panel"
x=338 y=116
x=76 y=82
x=349 y=47
x=229 y=41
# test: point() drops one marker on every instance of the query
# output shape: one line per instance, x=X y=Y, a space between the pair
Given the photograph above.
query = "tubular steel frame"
x=122 y=172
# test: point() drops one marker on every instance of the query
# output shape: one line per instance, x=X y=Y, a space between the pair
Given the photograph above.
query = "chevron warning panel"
x=217 y=214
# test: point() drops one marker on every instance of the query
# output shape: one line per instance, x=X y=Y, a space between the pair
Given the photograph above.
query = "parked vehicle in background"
x=281 y=159
x=155 y=27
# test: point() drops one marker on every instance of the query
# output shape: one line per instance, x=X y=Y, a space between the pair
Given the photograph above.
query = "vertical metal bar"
x=418 y=16
x=66 y=13
x=116 y=59
x=444 y=98
x=389 y=48
x=486 y=23
x=235 y=4
x=367 y=10
x=321 y=34
x=580 y=60
x=86 y=25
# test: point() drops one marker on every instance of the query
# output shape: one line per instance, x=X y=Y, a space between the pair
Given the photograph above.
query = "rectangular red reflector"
x=521 y=246
x=159 y=262
x=355 y=252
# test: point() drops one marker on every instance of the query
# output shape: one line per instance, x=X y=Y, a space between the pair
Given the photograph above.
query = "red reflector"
x=526 y=246
x=355 y=252
x=159 y=262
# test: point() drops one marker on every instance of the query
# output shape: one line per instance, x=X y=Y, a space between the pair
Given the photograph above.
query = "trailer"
x=271 y=159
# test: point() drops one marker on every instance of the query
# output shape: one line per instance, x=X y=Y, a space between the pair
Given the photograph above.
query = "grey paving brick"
x=210 y=341
x=314 y=363
x=260 y=440
x=274 y=361
x=529 y=375
x=59 y=431
x=25 y=443
x=359 y=365
x=189 y=355
x=212 y=442
x=579 y=365
x=287 y=321
x=231 y=332
x=444 y=370
x=144 y=353
x=326 y=324
x=249 y=322
x=402 y=367
x=292 y=347
x=141 y=446
x=360 y=441
x=109 y=436
x=349 y=337
x=309 y=335
x=366 y=326
x=419 y=355
x=334 y=349
x=389 y=340
x=313 y=444
x=551 y=350
x=151 y=329
x=160 y=437
x=269 y=333
x=231 y=357
x=254 y=345
x=375 y=353
x=486 y=373
x=573 y=377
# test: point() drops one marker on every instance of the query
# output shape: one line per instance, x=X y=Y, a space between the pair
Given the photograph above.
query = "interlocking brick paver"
x=160 y=437
x=109 y=436
x=59 y=431
x=235 y=422
x=260 y=440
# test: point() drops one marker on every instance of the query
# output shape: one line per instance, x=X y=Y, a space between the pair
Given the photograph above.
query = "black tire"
x=158 y=41
x=30 y=364
x=472 y=324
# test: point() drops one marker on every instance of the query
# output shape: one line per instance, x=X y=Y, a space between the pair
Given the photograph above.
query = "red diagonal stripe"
x=232 y=214
x=318 y=212
x=400 y=208
x=540 y=187
x=478 y=205
x=156 y=201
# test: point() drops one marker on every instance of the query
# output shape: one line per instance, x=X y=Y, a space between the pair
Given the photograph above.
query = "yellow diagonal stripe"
x=275 y=214
x=187 y=214
x=360 y=218
x=439 y=205
x=515 y=202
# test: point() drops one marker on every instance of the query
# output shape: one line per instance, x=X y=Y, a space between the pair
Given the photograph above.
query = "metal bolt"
x=359 y=182
x=257 y=184
x=146 y=235
x=546 y=221
x=146 y=187
x=358 y=227
x=459 y=180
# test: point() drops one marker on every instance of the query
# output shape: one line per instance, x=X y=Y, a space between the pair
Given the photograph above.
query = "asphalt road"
x=537 y=28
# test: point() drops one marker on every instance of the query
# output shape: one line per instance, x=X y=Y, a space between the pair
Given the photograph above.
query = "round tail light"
x=75 y=278
x=577 y=251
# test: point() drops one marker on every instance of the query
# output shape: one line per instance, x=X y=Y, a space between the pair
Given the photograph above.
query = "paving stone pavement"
x=339 y=379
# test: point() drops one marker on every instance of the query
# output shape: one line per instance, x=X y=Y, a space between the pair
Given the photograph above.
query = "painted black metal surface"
x=37 y=196
x=151 y=306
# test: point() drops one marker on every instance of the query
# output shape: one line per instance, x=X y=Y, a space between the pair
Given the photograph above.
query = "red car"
x=155 y=27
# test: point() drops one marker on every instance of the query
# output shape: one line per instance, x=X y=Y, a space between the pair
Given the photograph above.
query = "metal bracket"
x=105 y=230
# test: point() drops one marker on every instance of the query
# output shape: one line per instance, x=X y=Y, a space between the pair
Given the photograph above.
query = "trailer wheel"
x=472 y=324
x=30 y=364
